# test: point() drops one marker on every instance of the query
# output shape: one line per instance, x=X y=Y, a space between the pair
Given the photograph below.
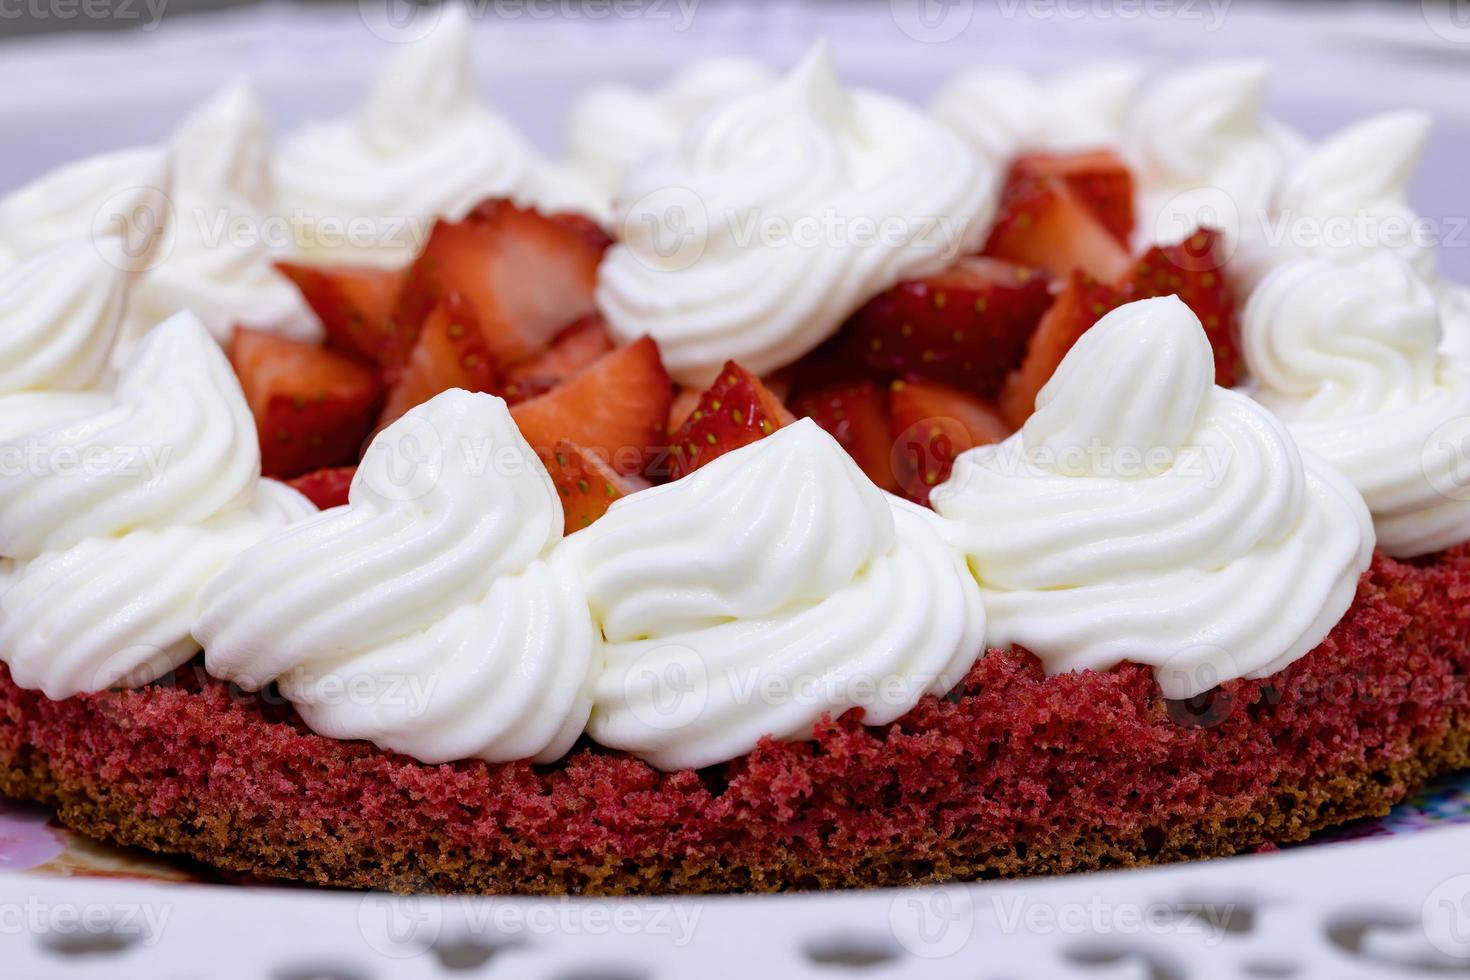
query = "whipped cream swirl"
x=772 y=586
x=429 y=614
x=779 y=214
x=217 y=261
x=1003 y=113
x=1144 y=514
x=116 y=520
x=367 y=188
x=1346 y=354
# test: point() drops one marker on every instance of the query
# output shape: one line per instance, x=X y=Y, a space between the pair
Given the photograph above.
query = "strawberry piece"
x=616 y=408
x=574 y=349
x=967 y=325
x=1193 y=270
x=312 y=407
x=356 y=306
x=585 y=482
x=1044 y=223
x=590 y=231
x=525 y=275
x=931 y=424
x=734 y=411
x=856 y=415
x=449 y=353
x=1082 y=302
x=686 y=400
x=326 y=487
x=1098 y=177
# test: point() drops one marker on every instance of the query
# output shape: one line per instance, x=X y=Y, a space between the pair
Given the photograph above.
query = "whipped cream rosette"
x=115 y=520
x=772 y=586
x=779 y=214
x=1003 y=113
x=122 y=194
x=1346 y=354
x=60 y=312
x=367 y=188
x=1145 y=514
x=431 y=614
x=216 y=262
x=613 y=128
x=1204 y=155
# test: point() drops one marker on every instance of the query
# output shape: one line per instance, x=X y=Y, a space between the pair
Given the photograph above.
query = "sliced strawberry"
x=449 y=353
x=1193 y=270
x=590 y=231
x=525 y=275
x=734 y=411
x=1099 y=177
x=586 y=483
x=617 y=408
x=686 y=400
x=312 y=407
x=1081 y=303
x=967 y=326
x=1045 y=224
x=326 y=487
x=931 y=424
x=574 y=349
x=856 y=415
x=356 y=305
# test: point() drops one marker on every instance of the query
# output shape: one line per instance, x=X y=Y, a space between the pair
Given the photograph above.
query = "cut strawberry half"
x=356 y=305
x=686 y=400
x=312 y=407
x=590 y=231
x=585 y=482
x=574 y=350
x=932 y=424
x=967 y=325
x=526 y=276
x=326 y=487
x=856 y=415
x=1043 y=223
x=1193 y=270
x=1098 y=177
x=617 y=408
x=734 y=411
x=1081 y=303
x=449 y=353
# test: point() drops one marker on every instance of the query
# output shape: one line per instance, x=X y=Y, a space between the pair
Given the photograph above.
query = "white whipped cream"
x=217 y=261
x=59 y=316
x=424 y=146
x=1144 y=514
x=428 y=615
x=779 y=214
x=1203 y=153
x=772 y=586
x=613 y=128
x=115 y=521
x=120 y=194
x=1003 y=113
x=1346 y=354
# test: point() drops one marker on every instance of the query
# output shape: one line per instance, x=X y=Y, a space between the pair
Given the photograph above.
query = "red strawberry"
x=686 y=400
x=356 y=305
x=1098 y=177
x=574 y=349
x=1081 y=303
x=856 y=415
x=313 y=407
x=1193 y=270
x=525 y=275
x=616 y=408
x=590 y=231
x=326 y=487
x=734 y=411
x=586 y=483
x=967 y=326
x=931 y=424
x=1044 y=223
x=449 y=353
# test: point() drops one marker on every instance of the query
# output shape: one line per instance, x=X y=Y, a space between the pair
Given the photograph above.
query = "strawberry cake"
x=793 y=488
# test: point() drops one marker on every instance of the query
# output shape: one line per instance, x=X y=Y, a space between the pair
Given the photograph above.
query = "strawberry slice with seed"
x=449 y=353
x=932 y=424
x=326 y=487
x=356 y=305
x=586 y=483
x=856 y=415
x=1045 y=224
x=734 y=411
x=575 y=349
x=1194 y=270
x=1098 y=177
